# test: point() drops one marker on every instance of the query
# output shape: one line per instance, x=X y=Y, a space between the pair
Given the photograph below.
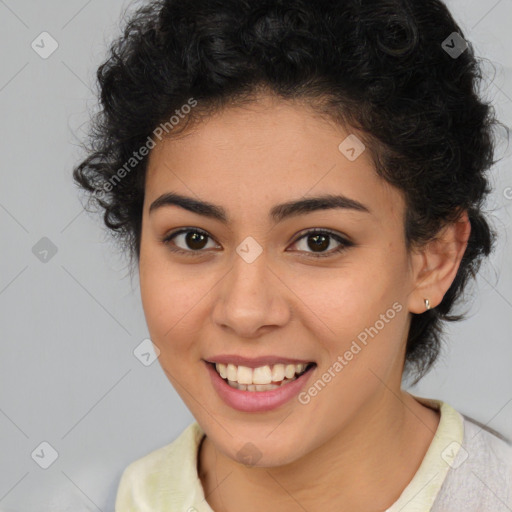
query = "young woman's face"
x=259 y=284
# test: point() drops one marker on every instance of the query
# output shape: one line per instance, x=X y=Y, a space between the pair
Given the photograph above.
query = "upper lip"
x=254 y=362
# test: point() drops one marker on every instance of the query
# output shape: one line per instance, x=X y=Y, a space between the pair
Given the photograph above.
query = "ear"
x=435 y=265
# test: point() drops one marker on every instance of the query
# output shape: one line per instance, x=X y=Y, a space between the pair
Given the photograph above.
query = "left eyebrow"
x=312 y=204
x=278 y=213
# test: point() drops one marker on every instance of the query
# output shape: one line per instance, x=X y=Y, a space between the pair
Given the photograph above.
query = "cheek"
x=361 y=303
x=171 y=300
x=359 y=323
x=349 y=297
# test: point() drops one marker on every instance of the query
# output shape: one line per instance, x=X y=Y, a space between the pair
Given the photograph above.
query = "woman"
x=300 y=186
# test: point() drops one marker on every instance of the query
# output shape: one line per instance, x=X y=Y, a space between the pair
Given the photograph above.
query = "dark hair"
x=380 y=66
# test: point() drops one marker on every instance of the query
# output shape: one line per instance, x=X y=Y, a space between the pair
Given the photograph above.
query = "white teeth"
x=263 y=376
x=266 y=387
x=232 y=371
x=255 y=387
x=244 y=375
x=289 y=371
x=234 y=384
x=221 y=368
x=278 y=372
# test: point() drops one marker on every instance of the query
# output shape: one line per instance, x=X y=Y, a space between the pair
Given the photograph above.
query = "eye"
x=193 y=240
x=318 y=240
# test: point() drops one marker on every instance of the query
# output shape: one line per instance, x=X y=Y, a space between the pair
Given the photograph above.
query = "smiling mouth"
x=264 y=378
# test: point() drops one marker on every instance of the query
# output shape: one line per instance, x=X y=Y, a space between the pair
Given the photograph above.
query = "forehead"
x=267 y=152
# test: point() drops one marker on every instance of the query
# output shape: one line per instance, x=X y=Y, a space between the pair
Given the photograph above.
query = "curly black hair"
x=400 y=71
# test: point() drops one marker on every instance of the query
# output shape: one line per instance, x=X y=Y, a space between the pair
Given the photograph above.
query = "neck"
x=364 y=467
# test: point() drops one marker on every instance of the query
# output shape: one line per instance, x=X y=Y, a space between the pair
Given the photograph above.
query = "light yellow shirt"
x=166 y=479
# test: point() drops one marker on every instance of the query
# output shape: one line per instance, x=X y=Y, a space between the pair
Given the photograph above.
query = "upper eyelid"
x=180 y=231
x=322 y=230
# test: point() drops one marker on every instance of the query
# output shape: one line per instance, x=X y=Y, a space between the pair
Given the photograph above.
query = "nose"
x=251 y=299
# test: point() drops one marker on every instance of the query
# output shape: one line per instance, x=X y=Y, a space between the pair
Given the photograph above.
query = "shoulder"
x=161 y=478
x=480 y=476
x=486 y=447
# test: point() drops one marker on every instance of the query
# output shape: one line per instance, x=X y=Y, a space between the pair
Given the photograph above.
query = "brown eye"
x=187 y=240
x=195 y=240
x=317 y=242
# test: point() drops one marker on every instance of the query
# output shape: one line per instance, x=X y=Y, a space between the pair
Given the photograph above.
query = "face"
x=327 y=284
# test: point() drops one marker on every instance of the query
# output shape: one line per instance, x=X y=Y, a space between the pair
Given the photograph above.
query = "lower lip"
x=257 y=401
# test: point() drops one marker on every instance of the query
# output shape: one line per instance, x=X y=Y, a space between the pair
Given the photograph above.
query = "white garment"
x=466 y=469
x=483 y=482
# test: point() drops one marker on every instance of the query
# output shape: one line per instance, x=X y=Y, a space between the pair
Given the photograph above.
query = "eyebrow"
x=278 y=212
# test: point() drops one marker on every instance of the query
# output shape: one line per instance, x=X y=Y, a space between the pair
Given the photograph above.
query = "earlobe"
x=437 y=263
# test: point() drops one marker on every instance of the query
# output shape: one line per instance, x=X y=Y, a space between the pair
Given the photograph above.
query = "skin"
x=358 y=443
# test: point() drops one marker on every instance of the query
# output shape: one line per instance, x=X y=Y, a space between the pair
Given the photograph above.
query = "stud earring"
x=427 y=304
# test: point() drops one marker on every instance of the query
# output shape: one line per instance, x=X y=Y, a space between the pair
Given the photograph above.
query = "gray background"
x=70 y=324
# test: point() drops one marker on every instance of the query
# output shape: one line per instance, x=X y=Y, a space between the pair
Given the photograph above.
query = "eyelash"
x=344 y=243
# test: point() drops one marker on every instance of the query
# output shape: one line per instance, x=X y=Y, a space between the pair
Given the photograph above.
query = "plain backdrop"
x=70 y=315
